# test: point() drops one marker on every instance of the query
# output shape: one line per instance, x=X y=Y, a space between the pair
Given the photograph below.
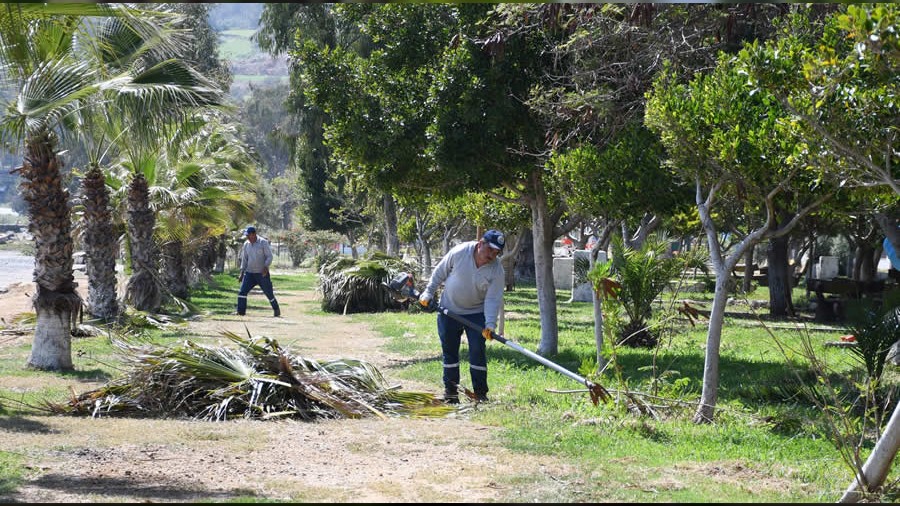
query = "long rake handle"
x=596 y=391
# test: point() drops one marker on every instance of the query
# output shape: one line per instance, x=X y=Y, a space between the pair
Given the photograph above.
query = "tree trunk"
x=865 y=265
x=511 y=255
x=56 y=301
x=206 y=257
x=52 y=347
x=723 y=267
x=391 y=239
x=101 y=247
x=423 y=244
x=221 y=255
x=354 y=251
x=710 y=393
x=876 y=468
x=175 y=275
x=287 y=214
x=598 y=310
x=142 y=290
x=780 y=303
x=748 y=271
x=524 y=269
x=649 y=223
x=542 y=234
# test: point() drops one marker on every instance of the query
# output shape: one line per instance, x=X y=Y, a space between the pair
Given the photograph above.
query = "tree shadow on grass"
x=87 y=375
x=408 y=362
x=16 y=423
x=136 y=488
x=755 y=383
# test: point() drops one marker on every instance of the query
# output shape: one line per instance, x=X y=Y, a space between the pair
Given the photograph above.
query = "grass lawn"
x=769 y=442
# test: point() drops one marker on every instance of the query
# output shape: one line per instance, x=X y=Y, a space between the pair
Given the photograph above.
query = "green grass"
x=240 y=78
x=769 y=443
x=236 y=44
x=12 y=471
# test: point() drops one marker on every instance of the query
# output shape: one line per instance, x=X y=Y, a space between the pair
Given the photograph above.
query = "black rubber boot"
x=451 y=396
x=276 y=309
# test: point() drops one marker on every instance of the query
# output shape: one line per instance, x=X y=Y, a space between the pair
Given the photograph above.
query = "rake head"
x=598 y=393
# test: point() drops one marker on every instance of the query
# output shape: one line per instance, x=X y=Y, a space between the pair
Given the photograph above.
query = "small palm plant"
x=643 y=274
x=876 y=327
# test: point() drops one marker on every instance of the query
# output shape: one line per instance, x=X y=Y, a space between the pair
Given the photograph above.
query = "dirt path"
x=396 y=460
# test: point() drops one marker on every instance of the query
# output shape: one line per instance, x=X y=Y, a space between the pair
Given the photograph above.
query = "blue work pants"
x=450 y=332
x=252 y=279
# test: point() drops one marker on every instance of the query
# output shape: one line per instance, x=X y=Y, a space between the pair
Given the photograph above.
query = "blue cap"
x=494 y=239
x=250 y=229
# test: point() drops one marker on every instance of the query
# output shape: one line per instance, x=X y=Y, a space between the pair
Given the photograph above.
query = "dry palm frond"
x=258 y=379
x=357 y=286
x=136 y=318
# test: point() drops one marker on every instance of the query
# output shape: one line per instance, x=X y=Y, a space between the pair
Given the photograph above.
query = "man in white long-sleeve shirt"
x=255 y=257
x=473 y=289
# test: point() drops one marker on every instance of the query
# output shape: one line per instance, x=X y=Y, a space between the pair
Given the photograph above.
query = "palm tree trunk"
x=101 y=246
x=143 y=290
x=173 y=267
x=56 y=302
x=206 y=258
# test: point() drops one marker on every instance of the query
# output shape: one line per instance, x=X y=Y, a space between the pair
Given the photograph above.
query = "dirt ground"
x=449 y=459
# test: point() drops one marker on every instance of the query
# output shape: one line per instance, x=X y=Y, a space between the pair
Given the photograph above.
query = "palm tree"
x=643 y=274
x=162 y=91
x=126 y=49
x=49 y=68
x=52 y=62
x=202 y=192
x=143 y=152
x=101 y=245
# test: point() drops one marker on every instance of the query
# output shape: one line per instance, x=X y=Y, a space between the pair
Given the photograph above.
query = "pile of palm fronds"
x=258 y=380
x=357 y=286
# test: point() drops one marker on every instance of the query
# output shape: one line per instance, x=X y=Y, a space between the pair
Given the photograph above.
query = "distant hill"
x=234 y=16
x=235 y=24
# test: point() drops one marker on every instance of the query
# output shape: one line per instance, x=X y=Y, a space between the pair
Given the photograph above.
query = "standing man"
x=473 y=289
x=255 y=256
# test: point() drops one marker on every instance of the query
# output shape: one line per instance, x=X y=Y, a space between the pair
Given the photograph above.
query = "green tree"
x=99 y=123
x=842 y=88
x=643 y=273
x=283 y=28
x=736 y=146
x=203 y=54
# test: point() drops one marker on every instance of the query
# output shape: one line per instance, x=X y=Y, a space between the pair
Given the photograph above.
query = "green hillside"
x=236 y=24
x=236 y=44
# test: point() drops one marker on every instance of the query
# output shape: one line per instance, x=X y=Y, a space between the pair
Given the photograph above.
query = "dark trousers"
x=252 y=279
x=450 y=332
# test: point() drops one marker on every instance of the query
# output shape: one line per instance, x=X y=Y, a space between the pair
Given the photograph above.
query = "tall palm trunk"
x=143 y=290
x=56 y=302
x=101 y=246
x=174 y=273
x=206 y=258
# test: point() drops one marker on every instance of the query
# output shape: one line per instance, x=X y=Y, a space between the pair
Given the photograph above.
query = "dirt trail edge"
x=371 y=460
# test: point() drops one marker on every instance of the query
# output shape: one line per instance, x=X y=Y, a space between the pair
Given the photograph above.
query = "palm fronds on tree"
x=643 y=274
x=876 y=327
x=257 y=380
x=357 y=286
